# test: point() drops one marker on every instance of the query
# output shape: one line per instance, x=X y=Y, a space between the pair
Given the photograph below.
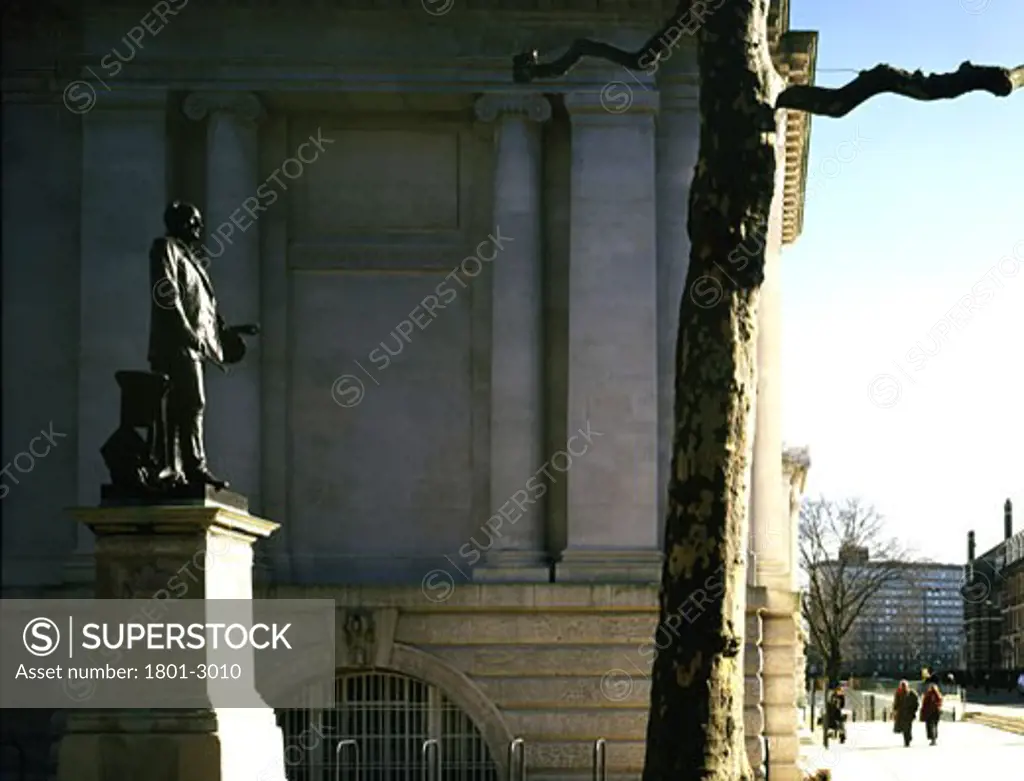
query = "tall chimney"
x=1008 y=519
x=970 y=548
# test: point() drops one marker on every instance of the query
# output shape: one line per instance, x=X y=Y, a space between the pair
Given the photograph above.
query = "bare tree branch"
x=834 y=539
x=686 y=19
x=840 y=101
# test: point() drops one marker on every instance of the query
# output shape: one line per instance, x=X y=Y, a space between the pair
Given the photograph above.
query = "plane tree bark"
x=695 y=728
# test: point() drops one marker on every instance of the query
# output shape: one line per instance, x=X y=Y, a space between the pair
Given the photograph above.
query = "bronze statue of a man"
x=186 y=330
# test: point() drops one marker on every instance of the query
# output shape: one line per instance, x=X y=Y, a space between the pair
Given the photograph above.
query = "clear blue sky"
x=899 y=227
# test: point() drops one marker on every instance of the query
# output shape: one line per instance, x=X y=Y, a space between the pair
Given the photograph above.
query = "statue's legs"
x=183 y=429
x=186 y=414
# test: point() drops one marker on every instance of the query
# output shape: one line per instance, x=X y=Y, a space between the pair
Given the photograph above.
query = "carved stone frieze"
x=366 y=637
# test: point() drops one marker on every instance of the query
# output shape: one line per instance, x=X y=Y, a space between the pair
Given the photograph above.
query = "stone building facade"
x=462 y=287
x=993 y=606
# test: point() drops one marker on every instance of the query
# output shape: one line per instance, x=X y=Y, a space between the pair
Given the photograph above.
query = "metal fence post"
x=426 y=759
x=600 y=760
x=517 y=748
x=343 y=744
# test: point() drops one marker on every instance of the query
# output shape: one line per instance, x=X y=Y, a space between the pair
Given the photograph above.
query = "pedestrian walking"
x=931 y=710
x=905 y=704
x=897 y=702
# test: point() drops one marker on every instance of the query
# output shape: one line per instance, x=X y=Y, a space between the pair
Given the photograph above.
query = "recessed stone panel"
x=378 y=180
x=381 y=420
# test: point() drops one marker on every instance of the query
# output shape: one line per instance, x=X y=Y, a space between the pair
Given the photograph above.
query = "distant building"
x=912 y=621
x=993 y=599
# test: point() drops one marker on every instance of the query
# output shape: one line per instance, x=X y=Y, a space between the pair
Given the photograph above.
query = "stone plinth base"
x=222 y=745
x=193 y=547
x=206 y=495
x=513 y=566
x=600 y=565
x=781 y=646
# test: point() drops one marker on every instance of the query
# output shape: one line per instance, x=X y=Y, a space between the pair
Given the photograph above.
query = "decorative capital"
x=531 y=105
x=245 y=105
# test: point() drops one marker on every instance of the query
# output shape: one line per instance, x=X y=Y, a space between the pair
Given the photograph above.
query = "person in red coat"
x=931 y=709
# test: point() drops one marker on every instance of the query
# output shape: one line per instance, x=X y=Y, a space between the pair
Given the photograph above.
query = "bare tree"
x=695 y=728
x=848 y=560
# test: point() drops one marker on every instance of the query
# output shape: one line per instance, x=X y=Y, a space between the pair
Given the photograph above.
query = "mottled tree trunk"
x=695 y=730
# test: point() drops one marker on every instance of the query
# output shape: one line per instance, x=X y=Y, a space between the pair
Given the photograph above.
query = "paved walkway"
x=1009 y=710
x=965 y=751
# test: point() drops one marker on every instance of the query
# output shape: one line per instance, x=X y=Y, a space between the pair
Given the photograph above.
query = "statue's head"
x=183 y=221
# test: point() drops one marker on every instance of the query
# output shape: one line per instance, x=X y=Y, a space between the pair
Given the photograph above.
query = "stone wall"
x=557 y=664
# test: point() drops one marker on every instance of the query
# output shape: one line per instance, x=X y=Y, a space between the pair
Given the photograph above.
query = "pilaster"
x=770 y=532
x=677 y=142
x=612 y=508
x=517 y=338
x=124 y=193
x=232 y=249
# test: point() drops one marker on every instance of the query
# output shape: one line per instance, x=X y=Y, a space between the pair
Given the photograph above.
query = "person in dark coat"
x=905 y=711
x=931 y=710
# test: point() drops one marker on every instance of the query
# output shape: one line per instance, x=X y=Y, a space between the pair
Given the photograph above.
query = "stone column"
x=124 y=193
x=234 y=411
x=782 y=645
x=517 y=339
x=795 y=464
x=768 y=533
x=611 y=497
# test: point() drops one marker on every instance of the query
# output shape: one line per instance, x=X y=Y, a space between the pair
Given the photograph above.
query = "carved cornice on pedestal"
x=245 y=105
x=531 y=105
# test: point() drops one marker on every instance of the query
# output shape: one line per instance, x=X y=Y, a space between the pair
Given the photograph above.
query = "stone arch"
x=463 y=693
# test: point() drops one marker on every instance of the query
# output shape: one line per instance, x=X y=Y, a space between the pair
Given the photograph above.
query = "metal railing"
x=600 y=760
x=343 y=744
x=517 y=748
x=427 y=765
x=430 y=750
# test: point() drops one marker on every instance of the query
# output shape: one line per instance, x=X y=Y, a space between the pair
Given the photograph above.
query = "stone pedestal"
x=194 y=548
x=753 y=690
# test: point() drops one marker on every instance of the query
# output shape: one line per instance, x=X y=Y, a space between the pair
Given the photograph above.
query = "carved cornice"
x=531 y=105
x=244 y=105
x=796 y=59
